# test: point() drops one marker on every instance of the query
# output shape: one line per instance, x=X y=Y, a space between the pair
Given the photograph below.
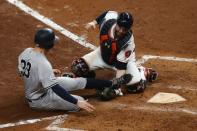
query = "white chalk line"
x=80 y=41
x=54 y=126
x=158 y=109
x=30 y=121
x=151 y=108
x=145 y=58
x=182 y=88
x=47 y=21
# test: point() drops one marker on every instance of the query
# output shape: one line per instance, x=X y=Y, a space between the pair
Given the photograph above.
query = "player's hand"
x=91 y=24
x=57 y=71
x=83 y=104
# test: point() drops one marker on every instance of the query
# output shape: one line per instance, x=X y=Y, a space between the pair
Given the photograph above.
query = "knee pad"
x=137 y=88
x=151 y=75
x=81 y=69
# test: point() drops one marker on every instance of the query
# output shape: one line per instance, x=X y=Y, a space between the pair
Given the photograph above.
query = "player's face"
x=120 y=31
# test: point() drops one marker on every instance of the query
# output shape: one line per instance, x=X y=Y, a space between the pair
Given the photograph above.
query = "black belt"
x=30 y=100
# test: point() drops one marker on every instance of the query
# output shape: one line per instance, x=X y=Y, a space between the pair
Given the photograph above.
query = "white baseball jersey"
x=126 y=55
x=38 y=78
x=37 y=73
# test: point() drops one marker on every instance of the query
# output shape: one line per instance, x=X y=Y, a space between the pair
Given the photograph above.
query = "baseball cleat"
x=123 y=80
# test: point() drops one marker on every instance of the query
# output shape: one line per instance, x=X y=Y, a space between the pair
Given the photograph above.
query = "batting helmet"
x=125 y=19
x=45 y=38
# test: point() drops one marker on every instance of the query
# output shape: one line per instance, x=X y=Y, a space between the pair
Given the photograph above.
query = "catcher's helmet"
x=125 y=19
x=45 y=38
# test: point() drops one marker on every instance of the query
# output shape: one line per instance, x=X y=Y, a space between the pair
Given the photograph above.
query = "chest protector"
x=111 y=47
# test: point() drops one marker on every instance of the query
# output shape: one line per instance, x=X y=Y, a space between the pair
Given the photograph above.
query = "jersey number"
x=26 y=68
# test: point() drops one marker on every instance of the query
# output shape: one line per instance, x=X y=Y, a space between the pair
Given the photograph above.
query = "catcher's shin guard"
x=123 y=80
x=138 y=87
x=109 y=93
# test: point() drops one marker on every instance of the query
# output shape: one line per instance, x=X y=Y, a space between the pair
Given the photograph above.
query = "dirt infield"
x=164 y=28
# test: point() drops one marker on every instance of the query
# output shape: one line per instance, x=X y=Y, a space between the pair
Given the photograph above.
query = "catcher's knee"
x=137 y=88
x=81 y=69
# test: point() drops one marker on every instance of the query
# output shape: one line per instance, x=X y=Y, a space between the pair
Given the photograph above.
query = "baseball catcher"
x=116 y=51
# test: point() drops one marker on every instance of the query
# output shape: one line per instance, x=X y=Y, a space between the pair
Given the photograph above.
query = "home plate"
x=163 y=98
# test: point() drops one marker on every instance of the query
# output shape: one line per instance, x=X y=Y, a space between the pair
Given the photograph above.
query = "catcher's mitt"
x=106 y=94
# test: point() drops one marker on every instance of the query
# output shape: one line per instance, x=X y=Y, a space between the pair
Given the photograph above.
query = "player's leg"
x=85 y=66
x=53 y=102
x=135 y=72
x=136 y=76
x=141 y=76
x=119 y=73
x=94 y=60
x=138 y=82
x=70 y=84
x=150 y=74
x=110 y=89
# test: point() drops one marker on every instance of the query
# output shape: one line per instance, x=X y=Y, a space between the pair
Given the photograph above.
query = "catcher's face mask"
x=120 y=31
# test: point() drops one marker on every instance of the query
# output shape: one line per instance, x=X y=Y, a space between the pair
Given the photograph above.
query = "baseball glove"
x=106 y=94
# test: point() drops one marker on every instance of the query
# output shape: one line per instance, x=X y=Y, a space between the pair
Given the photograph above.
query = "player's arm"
x=126 y=54
x=48 y=80
x=101 y=17
x=97 y=21
x=61 y=92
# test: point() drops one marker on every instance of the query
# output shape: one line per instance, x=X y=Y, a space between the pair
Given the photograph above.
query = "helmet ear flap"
x=47 y=45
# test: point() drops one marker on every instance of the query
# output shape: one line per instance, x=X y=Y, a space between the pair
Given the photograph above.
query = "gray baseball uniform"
x=38 y=78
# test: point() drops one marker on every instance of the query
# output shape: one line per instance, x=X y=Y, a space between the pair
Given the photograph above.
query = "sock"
x=97 y=84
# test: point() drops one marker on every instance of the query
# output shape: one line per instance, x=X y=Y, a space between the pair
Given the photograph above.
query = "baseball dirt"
x=164 y=28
